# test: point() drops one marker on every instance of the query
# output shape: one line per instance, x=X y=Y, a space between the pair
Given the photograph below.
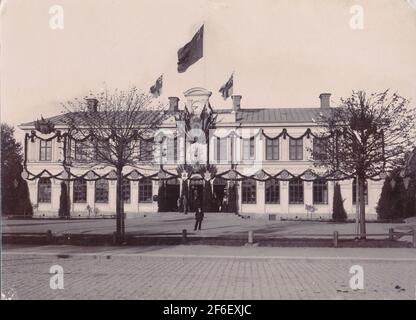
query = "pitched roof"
x=252 y=115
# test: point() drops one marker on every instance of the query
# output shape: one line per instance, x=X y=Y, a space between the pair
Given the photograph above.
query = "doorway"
x=196 y=189
x=172 y=194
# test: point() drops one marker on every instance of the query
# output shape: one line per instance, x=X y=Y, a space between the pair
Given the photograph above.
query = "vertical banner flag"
x=227 y=89
x=191 y=52
x=156 y=89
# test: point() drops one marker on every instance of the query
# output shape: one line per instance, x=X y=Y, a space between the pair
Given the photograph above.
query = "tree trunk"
x=119 y=205
x=361 y=199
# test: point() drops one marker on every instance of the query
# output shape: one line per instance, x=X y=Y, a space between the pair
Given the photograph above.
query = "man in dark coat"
x=199 y=215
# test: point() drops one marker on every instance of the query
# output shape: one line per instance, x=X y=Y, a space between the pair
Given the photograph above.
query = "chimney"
x=325 y=100
x=236 y=102
x=173 y=104
x=92 y=104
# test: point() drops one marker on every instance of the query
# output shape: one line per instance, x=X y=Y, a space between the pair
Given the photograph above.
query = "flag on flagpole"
x=156 y=89
x=227 y=89
x=191 y=52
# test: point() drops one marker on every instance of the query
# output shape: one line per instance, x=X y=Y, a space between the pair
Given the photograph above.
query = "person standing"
x=199 y=216
x=185 y=204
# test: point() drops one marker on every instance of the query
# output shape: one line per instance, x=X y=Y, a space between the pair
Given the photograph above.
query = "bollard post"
x=184 y=236
x=49 y=236
x=250 y=237
x=391 y=234
x=335 y=239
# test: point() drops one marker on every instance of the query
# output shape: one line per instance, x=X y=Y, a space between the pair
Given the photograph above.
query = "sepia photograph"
x=208 y=155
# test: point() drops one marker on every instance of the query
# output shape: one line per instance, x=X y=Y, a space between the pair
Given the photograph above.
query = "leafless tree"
x=113 y=129
x=366 y=136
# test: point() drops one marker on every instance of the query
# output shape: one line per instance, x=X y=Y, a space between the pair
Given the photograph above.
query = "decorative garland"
x=134 y=175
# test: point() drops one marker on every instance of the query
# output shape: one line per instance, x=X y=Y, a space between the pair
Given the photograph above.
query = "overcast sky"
x=284 y=52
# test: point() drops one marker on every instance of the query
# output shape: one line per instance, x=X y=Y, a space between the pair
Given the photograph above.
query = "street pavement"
x=207 y=272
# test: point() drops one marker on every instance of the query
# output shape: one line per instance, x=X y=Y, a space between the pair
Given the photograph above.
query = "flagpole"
x=204 y=54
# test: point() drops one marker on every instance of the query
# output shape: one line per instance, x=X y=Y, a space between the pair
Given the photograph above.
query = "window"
x=102 y=151
x=82 y=151
x=296 y=149
x=319 y=149
x=272 y=191
x=220 y=149
x=296 y=191
x=45 y=151
x=354 y=192
x=145 y=190
x=172 y=149
x=249 y=191
x=101 y=191
x=320 y=191
x=248 y=149
x=80 y=191
x=272 y=149
x=125 y=189
x=44 y=190
x=146 y=150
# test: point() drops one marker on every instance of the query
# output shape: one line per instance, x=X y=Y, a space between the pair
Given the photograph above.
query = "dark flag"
x=191 y=52
x=156 y=89
x=227 y=89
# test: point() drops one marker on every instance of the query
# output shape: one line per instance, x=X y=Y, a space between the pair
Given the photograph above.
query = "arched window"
x=354 y=192
x=44 y=190
x=145 y=190
x=296 y=191
x=249 y=191
x=320 y=191
x=101 y=191
x=125 y=187
x=80 y=191
x=272 y=191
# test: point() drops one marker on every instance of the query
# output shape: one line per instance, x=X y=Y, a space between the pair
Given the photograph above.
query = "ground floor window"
x=272 y=191
x=80 y=191
x=296 y=191
x=249 y=191
x=44 y=190
x=355 y=190
x=145 y=190
x=320 y=191
x=101 y=191
x=125 y=189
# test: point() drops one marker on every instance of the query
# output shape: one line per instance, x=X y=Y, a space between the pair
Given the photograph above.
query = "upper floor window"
x=272 y=149
x=220 y=149
x=44 y=190
x=249 y=191
x=248 y=149
x=146 y=150
x=354 y=192
x=82 y=151
x=319 y=149
x=296 y=149
x=45 y=150
x=296 y=191
x=320 y=191
x=272 y=191
x=101 y=191
x=80 y=191
x=172 y=149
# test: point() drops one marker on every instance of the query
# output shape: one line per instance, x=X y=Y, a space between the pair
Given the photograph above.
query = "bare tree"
x=113 y=129
x=365 y=137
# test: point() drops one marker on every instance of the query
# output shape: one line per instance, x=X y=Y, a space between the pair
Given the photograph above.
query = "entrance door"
x=195 y=193
x=220 y=196
x=172 y=194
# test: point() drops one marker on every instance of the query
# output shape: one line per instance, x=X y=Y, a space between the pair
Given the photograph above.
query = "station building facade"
x=247 y=140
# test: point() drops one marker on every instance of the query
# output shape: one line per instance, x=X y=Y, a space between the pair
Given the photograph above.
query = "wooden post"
x=335 y=239
x=250 y=237
x=184 y=236
x=391 y=234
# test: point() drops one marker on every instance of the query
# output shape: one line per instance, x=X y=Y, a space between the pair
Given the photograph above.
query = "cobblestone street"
x=181 y=276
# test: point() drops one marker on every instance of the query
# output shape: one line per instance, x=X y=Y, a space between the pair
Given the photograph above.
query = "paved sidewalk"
x=214 y=224
x=206 y=272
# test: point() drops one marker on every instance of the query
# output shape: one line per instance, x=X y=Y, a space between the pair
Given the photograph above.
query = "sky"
x=283 y=53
